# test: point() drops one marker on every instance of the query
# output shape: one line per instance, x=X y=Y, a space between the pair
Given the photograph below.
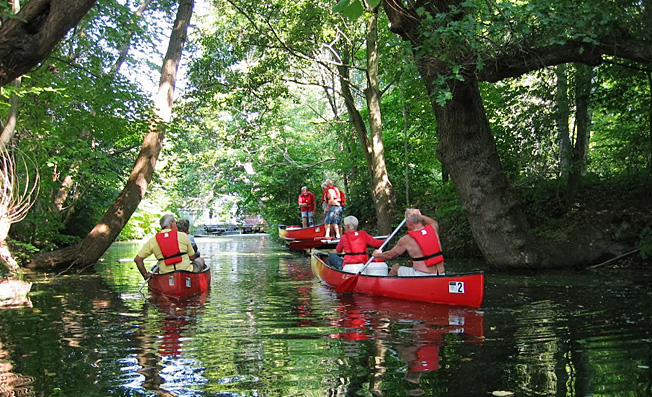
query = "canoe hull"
x=290 y=232
x=181 y=284
x=465 y=289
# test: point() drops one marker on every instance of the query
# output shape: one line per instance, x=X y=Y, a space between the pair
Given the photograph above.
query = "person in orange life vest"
x=354 y=244
x=184 y=226
x=171 y=247
x=422 y=245
x=332 y=210
x=306 y=202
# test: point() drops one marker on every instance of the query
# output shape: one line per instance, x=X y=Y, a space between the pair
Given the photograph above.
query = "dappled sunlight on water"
x=267 y=328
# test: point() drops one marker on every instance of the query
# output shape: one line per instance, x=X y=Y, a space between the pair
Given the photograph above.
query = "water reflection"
x=268 y=328
x=414 y=331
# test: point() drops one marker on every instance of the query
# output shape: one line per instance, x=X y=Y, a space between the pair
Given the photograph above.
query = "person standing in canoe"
x=422 y=245
x=171 y=247
x=354 y=244
x=306 y=202
x=198 y=263
x=332 y=210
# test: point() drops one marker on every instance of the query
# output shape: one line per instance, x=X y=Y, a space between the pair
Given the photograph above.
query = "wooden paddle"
x=350 y=283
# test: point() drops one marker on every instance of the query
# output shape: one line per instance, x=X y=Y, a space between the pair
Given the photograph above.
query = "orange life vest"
x=428 y=241
x=358 y=247
x=168 y=242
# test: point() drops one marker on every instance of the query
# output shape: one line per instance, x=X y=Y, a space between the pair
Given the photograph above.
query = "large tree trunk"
x=468 y=153
x=28 y=39
x=115 y=218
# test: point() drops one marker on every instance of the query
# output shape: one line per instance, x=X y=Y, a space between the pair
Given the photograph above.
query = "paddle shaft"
x=387 y=240
x=151 y=271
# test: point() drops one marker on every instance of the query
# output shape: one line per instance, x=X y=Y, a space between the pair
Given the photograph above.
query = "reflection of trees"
x=11 y=383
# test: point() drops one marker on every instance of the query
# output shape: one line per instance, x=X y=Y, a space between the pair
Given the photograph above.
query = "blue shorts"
x=307 y=214
x=334 y=215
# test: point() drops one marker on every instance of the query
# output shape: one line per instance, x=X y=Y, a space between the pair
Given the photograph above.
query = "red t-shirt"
x=309 y=199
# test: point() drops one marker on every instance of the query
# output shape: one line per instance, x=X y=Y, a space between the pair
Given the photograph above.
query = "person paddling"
x=171 y=247
x=422 y=245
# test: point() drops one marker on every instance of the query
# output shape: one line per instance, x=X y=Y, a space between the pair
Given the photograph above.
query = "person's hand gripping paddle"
x=350 y=283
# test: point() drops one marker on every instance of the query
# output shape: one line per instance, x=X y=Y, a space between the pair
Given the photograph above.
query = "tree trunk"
x=583 y=78
x=468 y=152
x=383 y=192
x=28 y=38
x=12 y=118
x=562 y=113
x=105 y=232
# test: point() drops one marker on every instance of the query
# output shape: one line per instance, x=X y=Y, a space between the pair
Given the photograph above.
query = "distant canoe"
x=294 y=232
x=464 y=289
x=181 y=284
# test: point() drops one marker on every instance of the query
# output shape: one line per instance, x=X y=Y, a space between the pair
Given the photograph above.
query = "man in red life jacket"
x=332 y=210
x=306 y=202
x=354 y=244
x=422 y=245
x=171 y=247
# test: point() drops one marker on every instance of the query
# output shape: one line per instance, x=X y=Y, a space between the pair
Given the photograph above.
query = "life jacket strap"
x=423 y=258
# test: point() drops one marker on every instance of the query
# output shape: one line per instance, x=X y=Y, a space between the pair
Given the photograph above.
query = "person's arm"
x=140 y=263
x=374 y=242
x=341 y=246
x=398 y=249
x=429 y=221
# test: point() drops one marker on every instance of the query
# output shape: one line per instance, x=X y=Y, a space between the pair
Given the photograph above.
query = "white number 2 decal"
x=456 y=287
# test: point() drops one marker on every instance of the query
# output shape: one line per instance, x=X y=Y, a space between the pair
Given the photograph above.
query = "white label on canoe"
x=188 y=282
x=456 y=287
x=171 y=280
x=317 y=229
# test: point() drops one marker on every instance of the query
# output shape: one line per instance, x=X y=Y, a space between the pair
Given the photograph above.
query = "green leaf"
x=373 y=3
x=354 y=10
x=341 y=5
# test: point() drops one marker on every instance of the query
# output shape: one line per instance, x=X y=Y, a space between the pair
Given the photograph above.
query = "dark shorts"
x=334 y=215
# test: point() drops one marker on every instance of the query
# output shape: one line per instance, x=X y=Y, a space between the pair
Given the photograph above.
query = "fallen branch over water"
x=614 y=259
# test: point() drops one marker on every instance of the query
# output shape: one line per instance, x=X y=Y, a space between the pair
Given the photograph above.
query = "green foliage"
x=21 y=251
x=645 y=243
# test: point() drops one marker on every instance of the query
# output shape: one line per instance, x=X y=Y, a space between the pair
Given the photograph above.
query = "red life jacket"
x=358 y=247
x=338 y=195
x=428 y=241
x=341 y=195
x=168 y=242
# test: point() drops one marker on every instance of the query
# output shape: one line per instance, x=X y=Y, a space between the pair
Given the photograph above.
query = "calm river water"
x=268 y=328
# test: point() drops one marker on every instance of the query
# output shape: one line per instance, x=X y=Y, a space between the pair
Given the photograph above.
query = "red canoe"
x=181 y=284
x=464 y=289
x=294 y=232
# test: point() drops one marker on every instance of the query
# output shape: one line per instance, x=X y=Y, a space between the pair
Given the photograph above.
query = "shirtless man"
x=422 y=245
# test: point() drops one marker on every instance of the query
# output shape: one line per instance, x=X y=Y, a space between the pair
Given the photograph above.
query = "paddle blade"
x=348 y=285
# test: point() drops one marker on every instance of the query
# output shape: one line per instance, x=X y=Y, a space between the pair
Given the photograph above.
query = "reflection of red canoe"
x=293 y=232
x=181 y=284
x=431 y=321
x=465 y=289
